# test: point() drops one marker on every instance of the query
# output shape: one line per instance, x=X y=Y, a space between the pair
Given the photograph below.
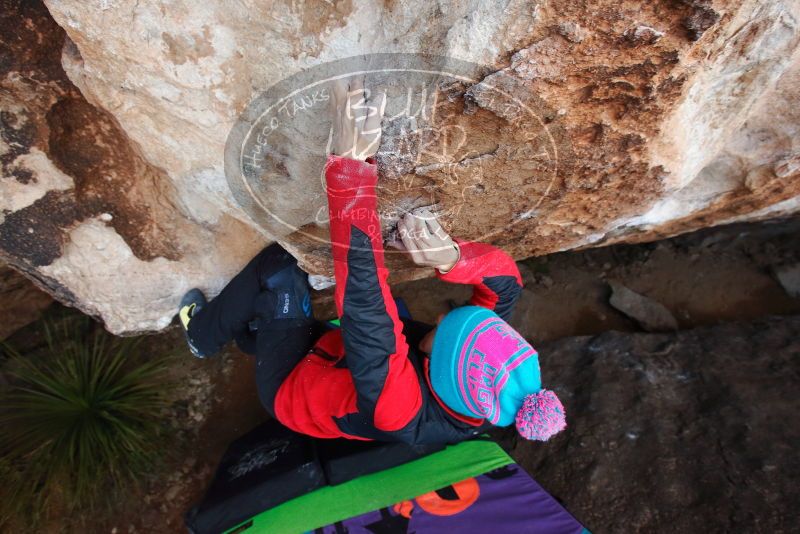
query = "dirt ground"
x=684 y=399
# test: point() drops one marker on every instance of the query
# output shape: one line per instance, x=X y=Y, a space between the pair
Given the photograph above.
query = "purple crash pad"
x=500 y=501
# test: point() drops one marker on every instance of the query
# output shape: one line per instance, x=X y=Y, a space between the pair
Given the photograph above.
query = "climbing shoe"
x=191 y=303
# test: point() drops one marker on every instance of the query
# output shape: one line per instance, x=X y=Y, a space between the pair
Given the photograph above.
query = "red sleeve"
x=493 y=273
x=376 y=351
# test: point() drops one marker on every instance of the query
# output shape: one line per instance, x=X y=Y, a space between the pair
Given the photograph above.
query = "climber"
x=378 y=377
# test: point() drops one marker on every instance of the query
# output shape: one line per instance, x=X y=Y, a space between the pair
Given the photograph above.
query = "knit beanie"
x=481 y=367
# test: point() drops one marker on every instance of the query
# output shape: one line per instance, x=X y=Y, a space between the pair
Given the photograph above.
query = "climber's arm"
x=387 y=387
x=375 y=349
x=492 y=272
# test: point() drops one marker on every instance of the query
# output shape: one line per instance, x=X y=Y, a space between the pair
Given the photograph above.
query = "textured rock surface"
x=650 y=314
x=686 y=432
x=667 y=116
x=82 y=212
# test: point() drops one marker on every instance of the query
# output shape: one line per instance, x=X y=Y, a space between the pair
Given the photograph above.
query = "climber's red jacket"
x=364 y=381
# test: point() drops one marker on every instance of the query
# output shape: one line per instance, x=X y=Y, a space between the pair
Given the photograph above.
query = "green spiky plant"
x=81 y=418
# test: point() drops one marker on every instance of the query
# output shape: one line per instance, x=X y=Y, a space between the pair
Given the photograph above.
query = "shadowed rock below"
x=789 y=278
x=695 y=431
x=651 y=315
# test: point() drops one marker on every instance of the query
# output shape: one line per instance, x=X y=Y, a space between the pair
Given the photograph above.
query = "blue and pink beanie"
x=481 y=367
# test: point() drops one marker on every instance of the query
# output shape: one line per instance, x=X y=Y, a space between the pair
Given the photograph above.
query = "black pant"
x=277 y=345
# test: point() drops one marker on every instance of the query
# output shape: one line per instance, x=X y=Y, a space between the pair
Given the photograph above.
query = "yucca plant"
x=81 y=418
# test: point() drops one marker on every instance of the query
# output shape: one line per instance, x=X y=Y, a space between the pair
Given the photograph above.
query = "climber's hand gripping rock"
x=357 y=111
x=428 y=244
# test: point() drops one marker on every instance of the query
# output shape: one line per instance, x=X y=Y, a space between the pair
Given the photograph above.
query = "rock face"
x=82 y=212
x=650 y=314
x=674 y=432
x=648 y=120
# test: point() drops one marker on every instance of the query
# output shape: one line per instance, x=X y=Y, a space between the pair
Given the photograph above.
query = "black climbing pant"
x=245 y=312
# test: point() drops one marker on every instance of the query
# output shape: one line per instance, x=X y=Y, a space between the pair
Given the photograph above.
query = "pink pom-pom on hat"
x=541 y=416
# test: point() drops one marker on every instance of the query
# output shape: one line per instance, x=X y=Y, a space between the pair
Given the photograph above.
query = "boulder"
x=561 y=127
x=651 y=315
x=789 y=278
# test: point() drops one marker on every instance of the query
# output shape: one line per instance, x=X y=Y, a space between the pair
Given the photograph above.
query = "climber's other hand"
x=427 y=242
x=357 y=114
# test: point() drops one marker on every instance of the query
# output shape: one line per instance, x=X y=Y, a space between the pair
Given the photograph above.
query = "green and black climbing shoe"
x=191 y=303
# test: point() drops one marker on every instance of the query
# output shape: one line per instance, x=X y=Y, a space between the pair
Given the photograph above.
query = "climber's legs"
x=246 y=341
x=228 y=316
